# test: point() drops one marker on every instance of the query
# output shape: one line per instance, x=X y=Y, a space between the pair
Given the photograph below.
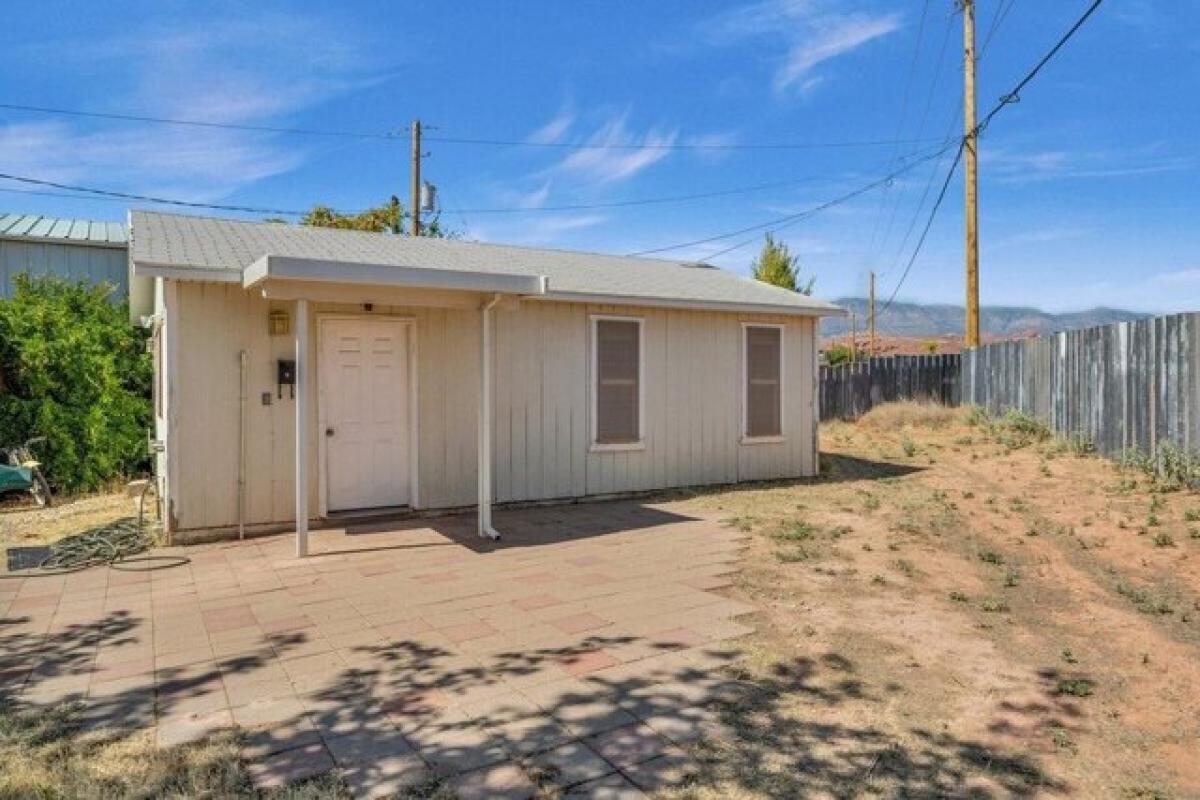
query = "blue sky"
x=1088 y=186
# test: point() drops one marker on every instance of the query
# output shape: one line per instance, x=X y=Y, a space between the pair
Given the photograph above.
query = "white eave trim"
x=703 y=305
x=344 y=272
x=150 y=269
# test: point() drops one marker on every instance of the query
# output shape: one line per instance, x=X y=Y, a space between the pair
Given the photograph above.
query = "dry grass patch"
x=43 y=754
x=24 y=524
x=909 y=414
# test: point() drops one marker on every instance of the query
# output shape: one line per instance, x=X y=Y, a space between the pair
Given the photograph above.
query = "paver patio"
x=579 y=650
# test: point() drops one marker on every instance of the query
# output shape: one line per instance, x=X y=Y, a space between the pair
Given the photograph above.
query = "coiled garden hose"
x=115 y=544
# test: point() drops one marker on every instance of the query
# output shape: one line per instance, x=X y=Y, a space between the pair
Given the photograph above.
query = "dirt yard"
x=962 y=609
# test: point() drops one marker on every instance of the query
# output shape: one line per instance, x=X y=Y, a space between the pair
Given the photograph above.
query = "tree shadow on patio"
x=394 y=713
x=697 y=725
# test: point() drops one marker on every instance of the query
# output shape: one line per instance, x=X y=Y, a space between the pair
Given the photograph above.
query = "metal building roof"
x=202 y=248
x=85 y=232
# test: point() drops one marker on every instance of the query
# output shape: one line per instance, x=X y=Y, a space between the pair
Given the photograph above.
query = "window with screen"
x=764 y=384
x=617 y=381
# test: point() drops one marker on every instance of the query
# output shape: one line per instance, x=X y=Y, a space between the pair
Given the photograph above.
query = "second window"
x=617 y=381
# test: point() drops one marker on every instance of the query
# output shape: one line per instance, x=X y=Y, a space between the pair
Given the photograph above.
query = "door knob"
x=329 y=431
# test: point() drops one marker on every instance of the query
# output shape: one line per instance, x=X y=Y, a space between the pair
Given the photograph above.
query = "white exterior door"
x=365 y=397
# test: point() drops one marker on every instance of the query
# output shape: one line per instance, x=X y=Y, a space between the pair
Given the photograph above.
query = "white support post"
x=301 y=389
x=485 y=528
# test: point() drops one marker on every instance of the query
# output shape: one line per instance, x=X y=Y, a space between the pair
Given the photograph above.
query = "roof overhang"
x=316 y=270
x=822 y=310
x=285 y=277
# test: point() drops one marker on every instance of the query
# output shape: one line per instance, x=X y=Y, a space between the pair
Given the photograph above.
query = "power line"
x=1005 y=100
x=1015 y=95
x=680 y=145
x=91 y=193
x=928 y=224
x=937 y=73
x=399 y=135
x=194 y=123
x=790 y=218
x=998 y=18
x=901 y=118
x=107 y=193
x=680 y=198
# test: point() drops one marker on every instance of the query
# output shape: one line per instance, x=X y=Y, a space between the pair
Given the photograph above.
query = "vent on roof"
x=698 y=265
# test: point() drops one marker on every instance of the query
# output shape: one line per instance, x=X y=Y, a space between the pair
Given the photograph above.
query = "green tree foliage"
x=388 y=217
x=74 y=370
x=842 y=354
x=776 y=265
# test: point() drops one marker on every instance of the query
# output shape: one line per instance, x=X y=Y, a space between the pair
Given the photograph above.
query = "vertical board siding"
x=72 y=262
x=1130 y=386
x=847 y=391
x=541 y=445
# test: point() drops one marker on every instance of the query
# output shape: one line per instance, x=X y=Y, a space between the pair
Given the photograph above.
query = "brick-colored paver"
x=584 y=645
x=578 y=623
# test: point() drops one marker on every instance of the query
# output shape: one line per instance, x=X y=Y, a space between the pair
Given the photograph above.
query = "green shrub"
x=74 y=370
x=838 y=354
x=1174 y=467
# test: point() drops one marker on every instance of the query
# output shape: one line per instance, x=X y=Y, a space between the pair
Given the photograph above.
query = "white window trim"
x=745 y=391
x=640 y=444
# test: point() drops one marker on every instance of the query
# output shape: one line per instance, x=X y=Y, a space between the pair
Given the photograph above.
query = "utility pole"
x=853 y=337
x=871 y=316
x=415 y=208
x=971 y=146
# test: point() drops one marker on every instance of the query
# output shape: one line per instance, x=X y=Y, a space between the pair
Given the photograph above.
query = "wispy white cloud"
x=259 y=68
x=830 y=36
x=550 y=229
x=196 y=165
x=711 y=146
x=554 y=130
x=1025 y=167
x=564 y=223
x=614 y=153
x=536 y=198
x=812 y=32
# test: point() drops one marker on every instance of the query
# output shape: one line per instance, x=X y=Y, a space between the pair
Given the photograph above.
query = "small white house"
x=305 y=373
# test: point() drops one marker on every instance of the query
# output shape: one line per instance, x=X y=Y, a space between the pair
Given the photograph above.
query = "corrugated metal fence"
x=1122 y=386
x=850 y=390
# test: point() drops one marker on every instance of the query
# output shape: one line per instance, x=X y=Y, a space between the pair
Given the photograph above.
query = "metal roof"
x=203 y=248
x=85 y=232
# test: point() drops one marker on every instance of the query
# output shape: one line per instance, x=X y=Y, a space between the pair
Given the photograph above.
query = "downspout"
x=485 y=528
x=243 y=358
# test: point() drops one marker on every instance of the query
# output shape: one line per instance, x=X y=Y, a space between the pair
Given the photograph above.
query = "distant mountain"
x=916 y=319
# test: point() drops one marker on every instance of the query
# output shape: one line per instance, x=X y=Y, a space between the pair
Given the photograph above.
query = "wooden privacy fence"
x=1131 y=385
x=850 y=390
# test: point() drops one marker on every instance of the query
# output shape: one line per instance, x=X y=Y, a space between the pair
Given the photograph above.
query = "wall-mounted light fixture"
x=279 y=323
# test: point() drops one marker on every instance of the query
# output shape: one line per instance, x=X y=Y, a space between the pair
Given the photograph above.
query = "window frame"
x=594 y=385
x=746 y=438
